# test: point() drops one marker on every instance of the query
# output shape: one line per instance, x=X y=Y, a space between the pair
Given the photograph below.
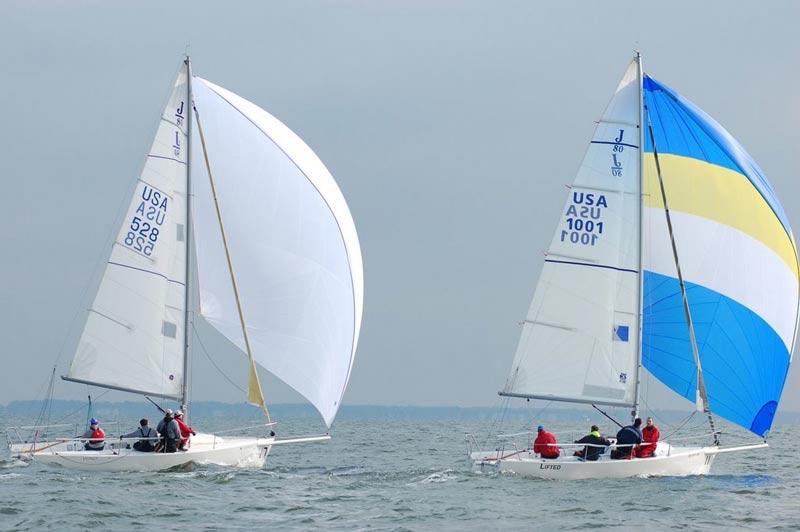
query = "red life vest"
x=97 y=436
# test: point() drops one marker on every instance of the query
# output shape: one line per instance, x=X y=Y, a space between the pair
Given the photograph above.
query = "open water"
x=400 y=475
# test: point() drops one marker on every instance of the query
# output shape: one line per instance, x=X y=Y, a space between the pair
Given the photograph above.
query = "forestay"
x=134 y=334
x=579 y=341
x=292 y=242
x=738 y=259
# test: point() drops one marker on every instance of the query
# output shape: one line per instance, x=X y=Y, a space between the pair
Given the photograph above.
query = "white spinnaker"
x=579 y=340
x=134 y=333
x=293 y=246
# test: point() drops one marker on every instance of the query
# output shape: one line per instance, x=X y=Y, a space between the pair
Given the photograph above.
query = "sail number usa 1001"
x=147 y=220
x=584 y=216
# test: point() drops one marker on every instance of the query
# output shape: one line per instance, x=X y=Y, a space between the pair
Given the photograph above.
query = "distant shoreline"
x=216 y=409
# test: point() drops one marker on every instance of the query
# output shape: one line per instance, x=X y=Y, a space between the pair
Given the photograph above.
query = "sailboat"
x=233 y=220
x=673 y=256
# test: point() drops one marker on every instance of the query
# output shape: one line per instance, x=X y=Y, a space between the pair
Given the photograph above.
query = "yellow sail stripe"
x=719 y=194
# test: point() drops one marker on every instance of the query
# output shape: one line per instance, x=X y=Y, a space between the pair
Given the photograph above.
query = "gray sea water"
x=400 y=475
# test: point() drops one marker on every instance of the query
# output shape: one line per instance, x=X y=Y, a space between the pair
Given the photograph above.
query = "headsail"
x=134 y=333
x=579 y=341
x=293 y=246
x=738 y=258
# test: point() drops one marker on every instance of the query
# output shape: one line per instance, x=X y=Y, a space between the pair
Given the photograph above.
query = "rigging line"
x=608 y=416
x=501 y=407
x=679 y=426
x=44 y=411
x=255 y=392
x=537 y=414
x=71 y=414
x=701 y=386
x=49 y=385
x=663 y=422
x=501 y=418
x=205 y=352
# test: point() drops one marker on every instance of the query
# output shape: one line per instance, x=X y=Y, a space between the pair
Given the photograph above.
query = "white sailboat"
x=236 y=219
x=672 y=254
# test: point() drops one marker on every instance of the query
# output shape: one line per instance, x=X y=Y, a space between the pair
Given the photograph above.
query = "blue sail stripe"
x=734 y=344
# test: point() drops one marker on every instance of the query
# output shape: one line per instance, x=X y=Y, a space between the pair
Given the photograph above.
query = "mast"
x=187 y=318
x=702 y=395
x=637 y=376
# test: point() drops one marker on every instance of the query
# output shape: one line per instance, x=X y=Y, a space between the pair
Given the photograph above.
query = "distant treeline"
x=208 y=409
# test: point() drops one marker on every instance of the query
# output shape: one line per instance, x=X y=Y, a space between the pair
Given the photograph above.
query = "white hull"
x=669 y=461
x=204 y=449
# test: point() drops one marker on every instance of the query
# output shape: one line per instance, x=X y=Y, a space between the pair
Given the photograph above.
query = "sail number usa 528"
x=147 y=220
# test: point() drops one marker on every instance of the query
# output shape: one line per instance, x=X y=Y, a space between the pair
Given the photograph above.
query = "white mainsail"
x=293 y=246
x=579 y=340
x=134 y=334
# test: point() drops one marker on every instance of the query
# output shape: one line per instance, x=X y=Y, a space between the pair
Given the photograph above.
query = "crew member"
x=627 y=438
x=96 y=437
x=545 y=444
x=596 y=445
x=186 y=431
x=650 y=435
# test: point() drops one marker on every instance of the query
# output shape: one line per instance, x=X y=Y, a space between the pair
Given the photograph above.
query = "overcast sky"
x=450 y=126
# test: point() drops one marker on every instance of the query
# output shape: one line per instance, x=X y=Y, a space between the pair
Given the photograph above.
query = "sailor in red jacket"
x=650 y=435
x=186 y=431
x=96 y=437
x=545 y=444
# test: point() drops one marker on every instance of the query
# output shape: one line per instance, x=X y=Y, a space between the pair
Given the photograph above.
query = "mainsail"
x=579 y=340
x=738 y=258
x=134 y=334
x=292 y=242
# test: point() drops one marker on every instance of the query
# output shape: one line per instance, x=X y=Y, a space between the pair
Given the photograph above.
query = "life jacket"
x=97 y=436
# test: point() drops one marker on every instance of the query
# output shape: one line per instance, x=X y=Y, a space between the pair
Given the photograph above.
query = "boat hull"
x=204 y=449
x=672 y=461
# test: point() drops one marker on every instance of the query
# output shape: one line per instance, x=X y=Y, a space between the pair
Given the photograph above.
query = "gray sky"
x=451 y=128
